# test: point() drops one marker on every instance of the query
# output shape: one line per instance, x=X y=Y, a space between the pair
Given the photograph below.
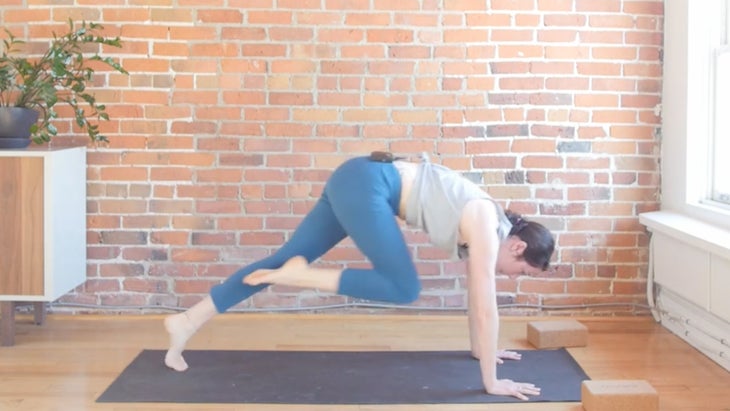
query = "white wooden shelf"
x=42 y=227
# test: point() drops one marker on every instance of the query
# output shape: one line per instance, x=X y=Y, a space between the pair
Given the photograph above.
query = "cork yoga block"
x=557 y=334
x=619 y=395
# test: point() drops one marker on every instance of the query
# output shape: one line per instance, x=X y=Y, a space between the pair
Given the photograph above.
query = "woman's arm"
x=479 y=229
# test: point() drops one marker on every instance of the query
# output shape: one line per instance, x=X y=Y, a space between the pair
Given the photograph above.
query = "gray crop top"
x=436 y=201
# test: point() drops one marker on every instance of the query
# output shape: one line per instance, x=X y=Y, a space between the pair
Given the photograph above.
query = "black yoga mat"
x=318 y=377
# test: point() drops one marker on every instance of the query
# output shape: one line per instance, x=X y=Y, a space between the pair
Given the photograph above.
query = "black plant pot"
x=15 y=124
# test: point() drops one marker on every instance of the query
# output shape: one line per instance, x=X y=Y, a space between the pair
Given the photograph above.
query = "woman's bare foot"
x=180 y=329
x=291 y=269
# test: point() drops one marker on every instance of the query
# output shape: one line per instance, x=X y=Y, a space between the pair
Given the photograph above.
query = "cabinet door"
x=21 y=226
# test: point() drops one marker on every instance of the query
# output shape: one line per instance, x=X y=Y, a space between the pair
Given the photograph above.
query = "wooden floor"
x=67 y=363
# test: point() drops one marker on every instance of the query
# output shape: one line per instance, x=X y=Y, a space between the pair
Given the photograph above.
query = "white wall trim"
x=697 y=233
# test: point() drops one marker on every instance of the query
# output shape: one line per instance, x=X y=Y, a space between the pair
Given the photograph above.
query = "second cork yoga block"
x=557 y=334
x=619 y=395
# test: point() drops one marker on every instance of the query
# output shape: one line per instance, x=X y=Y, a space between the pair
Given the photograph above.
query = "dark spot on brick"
x=562 y=209
x=124 y=237
x=463 y=132
x=574 y=147
x=159 y=255
x=514 y=177
x=505 y=299
x=508 y=130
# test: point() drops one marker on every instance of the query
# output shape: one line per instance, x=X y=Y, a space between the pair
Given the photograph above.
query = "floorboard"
x=69 y=361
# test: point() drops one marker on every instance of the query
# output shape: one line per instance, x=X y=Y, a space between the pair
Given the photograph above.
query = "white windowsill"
x=690 y=230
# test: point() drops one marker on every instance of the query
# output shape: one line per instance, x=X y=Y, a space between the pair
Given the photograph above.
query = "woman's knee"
x=408 y=295
x=408 y=288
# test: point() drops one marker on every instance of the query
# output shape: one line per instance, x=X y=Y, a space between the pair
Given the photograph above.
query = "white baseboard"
x=701 y=329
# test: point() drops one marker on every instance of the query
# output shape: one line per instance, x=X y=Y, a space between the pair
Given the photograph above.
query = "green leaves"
x=61 y=74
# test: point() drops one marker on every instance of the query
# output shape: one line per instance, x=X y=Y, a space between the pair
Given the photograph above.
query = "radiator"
x=689 y=282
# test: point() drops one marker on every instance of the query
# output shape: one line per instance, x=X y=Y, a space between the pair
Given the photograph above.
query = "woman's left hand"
x=507 y=355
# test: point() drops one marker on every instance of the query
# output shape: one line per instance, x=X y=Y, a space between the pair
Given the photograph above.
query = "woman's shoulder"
x=478 y=217
x=481 y=209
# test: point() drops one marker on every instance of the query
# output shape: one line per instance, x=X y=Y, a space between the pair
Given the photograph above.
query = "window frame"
x=690 y=43
x=719 y=188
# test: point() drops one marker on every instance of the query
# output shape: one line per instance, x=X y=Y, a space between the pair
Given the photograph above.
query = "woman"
x=361 y=200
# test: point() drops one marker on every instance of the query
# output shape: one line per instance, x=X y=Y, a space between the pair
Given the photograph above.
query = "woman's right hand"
x=520 y=390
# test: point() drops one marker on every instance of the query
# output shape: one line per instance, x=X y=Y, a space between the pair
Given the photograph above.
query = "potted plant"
x=31 y=86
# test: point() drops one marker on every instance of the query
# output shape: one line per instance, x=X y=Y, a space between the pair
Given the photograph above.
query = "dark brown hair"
x=539 y=240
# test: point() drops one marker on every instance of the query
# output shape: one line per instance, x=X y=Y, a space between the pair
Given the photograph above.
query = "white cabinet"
x=42 y=227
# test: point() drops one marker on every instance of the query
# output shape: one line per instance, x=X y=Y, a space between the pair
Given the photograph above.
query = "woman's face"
x=509 y=259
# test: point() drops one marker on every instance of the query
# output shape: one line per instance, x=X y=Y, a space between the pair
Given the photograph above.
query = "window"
x=695 y=138
x=720 y=156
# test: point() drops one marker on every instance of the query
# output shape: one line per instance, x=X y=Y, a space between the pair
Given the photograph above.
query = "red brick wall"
x=236 y=111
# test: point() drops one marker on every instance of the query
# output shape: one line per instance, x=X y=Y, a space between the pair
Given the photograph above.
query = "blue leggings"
x=360 y=200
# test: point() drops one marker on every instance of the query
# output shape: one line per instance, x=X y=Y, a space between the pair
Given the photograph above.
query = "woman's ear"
x=517 y=248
